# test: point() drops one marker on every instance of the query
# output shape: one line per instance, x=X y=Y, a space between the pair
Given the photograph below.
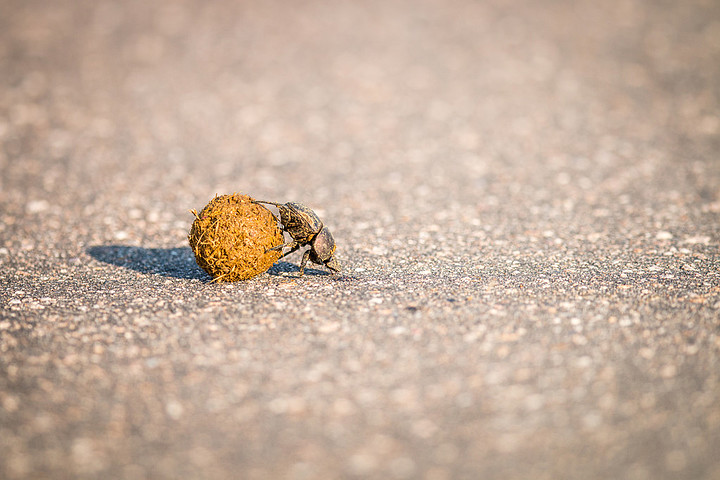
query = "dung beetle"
x=306 y=228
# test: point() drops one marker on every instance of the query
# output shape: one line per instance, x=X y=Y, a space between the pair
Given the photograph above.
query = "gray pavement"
x=525 y=197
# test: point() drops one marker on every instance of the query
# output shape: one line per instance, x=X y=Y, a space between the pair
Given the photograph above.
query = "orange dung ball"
x=230 y=238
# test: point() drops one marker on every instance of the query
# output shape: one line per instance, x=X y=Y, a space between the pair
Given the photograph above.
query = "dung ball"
x=230 y=238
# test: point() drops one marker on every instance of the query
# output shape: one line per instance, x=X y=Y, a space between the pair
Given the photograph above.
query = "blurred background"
x=346 y=103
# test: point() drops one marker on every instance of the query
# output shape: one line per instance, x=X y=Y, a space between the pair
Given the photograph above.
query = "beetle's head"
x=333 y=265
x=323 y=249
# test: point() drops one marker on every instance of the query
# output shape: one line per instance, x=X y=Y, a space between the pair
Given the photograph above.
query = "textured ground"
x=526 y=199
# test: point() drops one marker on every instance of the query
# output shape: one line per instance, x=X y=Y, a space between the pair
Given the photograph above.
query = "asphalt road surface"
x=525 y=197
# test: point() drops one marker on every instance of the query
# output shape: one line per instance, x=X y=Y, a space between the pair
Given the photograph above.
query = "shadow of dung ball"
x=230 y=235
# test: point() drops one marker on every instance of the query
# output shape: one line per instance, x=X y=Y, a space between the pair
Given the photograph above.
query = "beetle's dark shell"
x=299 y=221
x=305 y=228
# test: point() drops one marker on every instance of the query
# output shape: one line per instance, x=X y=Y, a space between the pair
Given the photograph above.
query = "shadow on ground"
x=168 y=262
x=281 y=268
x=173 y=262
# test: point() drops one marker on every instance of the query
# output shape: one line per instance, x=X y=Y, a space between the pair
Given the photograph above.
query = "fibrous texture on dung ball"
x=230 y=238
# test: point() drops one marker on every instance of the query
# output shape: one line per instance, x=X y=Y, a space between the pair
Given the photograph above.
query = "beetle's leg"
x=290 y=251
x=259 y=202
x=293 y=246
x=278 y=248
x=306 y=255
x=269 y=203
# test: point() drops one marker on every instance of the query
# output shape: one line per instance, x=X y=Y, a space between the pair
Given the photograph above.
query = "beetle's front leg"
x=306 y=255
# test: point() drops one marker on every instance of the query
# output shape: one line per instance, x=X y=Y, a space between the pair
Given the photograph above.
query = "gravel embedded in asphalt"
x=525 y=198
